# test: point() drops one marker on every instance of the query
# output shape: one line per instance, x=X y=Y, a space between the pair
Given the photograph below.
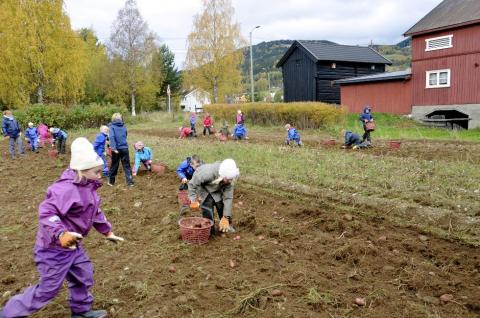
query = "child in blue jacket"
x=366 y=117
x=99 y=145
x=11 y=129
x=60 y=137
x=31 y=134
x=293 y=137
x=239 y=132
x=193 y=123
x=142 y=155
x=353 y=140
x=118 y=142
x=186 y=169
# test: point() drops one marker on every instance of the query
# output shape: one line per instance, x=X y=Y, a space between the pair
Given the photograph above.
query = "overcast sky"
x=342 y=21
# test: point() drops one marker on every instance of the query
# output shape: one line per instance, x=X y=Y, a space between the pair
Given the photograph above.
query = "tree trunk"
x=40 y=94
x=215 y=91
x=133 y=104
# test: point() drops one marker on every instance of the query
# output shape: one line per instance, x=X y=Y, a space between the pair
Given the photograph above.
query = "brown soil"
x=295 y=257
x=449 y=151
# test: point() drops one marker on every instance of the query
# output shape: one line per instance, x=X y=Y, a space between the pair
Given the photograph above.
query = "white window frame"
x=427 y=49
x=438 y=85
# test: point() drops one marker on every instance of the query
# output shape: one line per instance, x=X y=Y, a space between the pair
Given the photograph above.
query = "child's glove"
x=195 y=205
x=224 y=225
x=113 y=238
x=69 y=239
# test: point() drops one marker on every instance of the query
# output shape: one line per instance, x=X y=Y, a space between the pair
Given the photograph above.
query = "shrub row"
x=81 y=116
x=301 y=115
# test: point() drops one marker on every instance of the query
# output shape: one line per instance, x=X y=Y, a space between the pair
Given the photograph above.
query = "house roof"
x=448 y=14
x=191 y=91
x=391 y=76
x=324 y=51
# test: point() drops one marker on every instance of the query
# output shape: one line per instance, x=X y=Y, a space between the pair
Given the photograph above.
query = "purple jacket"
x=70 y=206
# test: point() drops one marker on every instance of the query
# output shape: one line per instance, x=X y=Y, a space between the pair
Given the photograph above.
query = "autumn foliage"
x=302 y=115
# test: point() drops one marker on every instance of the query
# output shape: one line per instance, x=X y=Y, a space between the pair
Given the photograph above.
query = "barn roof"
x=324 y=51
x=391 y=76
x=448 y=14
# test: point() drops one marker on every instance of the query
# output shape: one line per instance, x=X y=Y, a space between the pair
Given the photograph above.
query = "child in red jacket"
x=207 y=124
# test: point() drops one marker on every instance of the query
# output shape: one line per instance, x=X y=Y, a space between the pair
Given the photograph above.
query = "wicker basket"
x=195 y=230
x=394 y=144
x=183 y=198
x=370 y=126
x=158 y=169
x=331 y=142
x=53 y=153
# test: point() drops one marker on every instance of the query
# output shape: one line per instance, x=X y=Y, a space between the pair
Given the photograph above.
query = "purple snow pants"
x=55 y=266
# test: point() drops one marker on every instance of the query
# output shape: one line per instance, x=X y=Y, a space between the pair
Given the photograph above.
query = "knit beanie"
x=83 y=155
x=228 y=169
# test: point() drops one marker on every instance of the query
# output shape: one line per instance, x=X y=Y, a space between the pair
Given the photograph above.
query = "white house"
x=194 y=100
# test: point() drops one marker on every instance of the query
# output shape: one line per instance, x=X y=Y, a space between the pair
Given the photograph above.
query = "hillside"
x=266 y=55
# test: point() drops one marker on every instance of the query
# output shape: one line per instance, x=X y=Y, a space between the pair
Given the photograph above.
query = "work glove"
x=195 y=205
x=113 y=238
x=224 y=225
x=69 y=239
x=184 y=180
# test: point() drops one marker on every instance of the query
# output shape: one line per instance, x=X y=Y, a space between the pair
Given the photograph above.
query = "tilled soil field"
x=292 y=256
x=450 y=151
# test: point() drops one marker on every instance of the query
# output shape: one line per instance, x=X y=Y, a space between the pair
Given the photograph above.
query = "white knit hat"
x=83 y=155
x=228 y=169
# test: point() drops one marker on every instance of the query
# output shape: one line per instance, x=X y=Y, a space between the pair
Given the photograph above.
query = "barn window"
x=439 y=43
x=334 y=65
x=438 y=79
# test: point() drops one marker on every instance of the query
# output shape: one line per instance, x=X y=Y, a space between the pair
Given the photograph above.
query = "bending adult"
x=118 y=142
x=212 y=187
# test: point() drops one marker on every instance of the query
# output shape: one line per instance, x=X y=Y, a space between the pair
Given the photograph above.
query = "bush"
x=301 y=115
x=81 y=116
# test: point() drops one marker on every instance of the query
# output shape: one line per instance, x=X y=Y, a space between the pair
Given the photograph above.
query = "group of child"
x=239 y=131
x=72 y=207
x=35 y=136
x=352 y=140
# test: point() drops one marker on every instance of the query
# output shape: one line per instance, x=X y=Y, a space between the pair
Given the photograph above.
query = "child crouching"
x=142 y=155
x=70 y=209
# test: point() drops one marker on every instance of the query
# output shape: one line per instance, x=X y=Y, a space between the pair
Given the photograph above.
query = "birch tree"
x=132 y=44
x=214 y=54
x=41 y=57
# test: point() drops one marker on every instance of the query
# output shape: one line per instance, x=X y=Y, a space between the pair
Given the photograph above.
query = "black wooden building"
x=310 y=68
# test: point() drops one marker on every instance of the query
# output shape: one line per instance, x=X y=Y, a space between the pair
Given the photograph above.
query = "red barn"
x=445 y=77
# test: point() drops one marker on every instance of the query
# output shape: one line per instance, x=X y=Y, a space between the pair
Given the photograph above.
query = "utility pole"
x=251 y=65
x=169 y=104
x=269 y=86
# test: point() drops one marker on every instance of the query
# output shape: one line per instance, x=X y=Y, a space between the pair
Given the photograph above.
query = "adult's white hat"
x=228 y=169
x=83 y=155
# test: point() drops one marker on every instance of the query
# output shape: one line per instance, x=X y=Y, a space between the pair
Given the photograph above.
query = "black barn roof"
x=448 y=14
x=321 y=51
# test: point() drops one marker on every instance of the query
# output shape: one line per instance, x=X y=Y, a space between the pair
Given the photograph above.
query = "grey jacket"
x=206 y=180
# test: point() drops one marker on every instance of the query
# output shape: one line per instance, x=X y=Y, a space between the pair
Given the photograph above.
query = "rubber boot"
x=91 y=314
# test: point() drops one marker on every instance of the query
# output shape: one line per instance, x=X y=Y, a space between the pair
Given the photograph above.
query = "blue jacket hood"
x=118 y=135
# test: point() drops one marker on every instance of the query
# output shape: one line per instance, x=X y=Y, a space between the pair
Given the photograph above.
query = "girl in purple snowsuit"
x=70 y=209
